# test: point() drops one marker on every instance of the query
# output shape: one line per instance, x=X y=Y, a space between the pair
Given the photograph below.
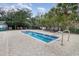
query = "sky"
x=36 y=8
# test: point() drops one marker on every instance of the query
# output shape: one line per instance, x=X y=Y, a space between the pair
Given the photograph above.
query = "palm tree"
x=61 y=16
x=68 y=11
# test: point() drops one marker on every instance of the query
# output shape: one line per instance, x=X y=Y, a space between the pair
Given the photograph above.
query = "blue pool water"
x=40 y=36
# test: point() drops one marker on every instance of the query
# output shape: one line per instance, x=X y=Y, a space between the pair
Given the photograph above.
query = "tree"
x=19 y=18
x=62 y=16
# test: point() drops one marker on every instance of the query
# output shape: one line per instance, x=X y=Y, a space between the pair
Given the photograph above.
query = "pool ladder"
x=62 y=32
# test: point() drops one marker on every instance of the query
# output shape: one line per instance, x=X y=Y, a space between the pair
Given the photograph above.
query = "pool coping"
x=53 y=41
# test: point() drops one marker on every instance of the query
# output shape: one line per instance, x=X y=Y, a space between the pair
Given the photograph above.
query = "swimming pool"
x=40 y=36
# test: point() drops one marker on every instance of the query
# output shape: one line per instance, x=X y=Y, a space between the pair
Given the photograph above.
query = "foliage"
x=20 y=18
x=63 y=16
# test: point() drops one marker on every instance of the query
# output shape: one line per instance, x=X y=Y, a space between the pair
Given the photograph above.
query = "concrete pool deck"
x=15 y=43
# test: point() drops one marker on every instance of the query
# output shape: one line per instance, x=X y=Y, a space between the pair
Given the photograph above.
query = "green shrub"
x=73 y=30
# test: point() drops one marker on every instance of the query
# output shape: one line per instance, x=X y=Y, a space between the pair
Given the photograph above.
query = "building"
x=3 y=26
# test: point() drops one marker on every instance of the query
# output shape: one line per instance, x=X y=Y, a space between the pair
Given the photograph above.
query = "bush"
x=73 y=30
